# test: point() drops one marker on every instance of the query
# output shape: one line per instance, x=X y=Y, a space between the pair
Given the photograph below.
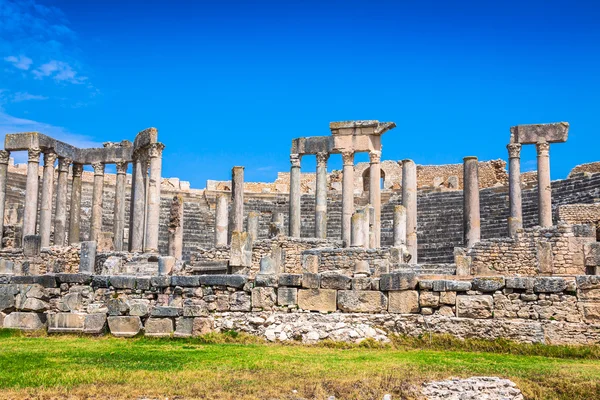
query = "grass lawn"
x=232 y=366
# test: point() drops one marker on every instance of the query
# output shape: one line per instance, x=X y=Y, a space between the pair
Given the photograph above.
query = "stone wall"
x=579 y=213
x=307 y=307
x=50 y=260
x=592 y=168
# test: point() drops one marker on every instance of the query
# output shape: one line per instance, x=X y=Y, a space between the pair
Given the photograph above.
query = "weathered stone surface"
x=398 y=281
x=32 y=245
x=47 y=281
x=311 y=281
x=163 y=311
x=160 y=281
x=88 y=257
x=7 y=297
x=166 y=265
x=117 y=306
x=266 y=280
x=490 y=388
x=234 y=281
x=448 y=298
x=363 y=283
x=94 y=324
x=124 y=326
x=183 y=327
x=73 y=301
x=404 y=302
x=80 y=279
x=100 y=281
x=287 y=296
x=488 y=283
x=33 y=304
x=336 y=281
x=203 y=326
x=549 y=285
x=6 y=267
x=158 y=327
x=361 y=301
x=185 y=281
x=520 y=283
x=591 y=312
x=25 y=321
x=139 y=307
x=448 y=285
x=292 y=280
x=196 y=310
x=588 y=281
x=240 y=301
x=66 y=323
x=122 y=281
x=263 y=298
x=429 y=299
x=317 y=299
x=478 y=306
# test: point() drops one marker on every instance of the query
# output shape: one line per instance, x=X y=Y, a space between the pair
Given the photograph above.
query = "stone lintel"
x=311 y=145
x=557 y=132
x=145 y=138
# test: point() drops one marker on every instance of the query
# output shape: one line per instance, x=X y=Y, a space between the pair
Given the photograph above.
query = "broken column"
x=544 y=185
x=253 y=226
x=221 y=220
x=321 y=196
x=375 y=197
x=515 y=220
x=31 y=193
x=4 y=159
x=295 y=196
x=277 y=225
x=409 y=201
x=471 y=214
x=399 y=226
x=236 y=217
x=60 y=215
x=176 y=228
x=153 y=205
x=347 y=196
x=119 y=207
x=96 y=223
x=75 y=212
x=87 y=260
x=138 y=202
x=360 y=228
x=46 y=203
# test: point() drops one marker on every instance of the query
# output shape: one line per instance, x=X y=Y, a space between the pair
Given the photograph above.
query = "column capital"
x=514 y=150
x=122 y=167
x=49 y=158
x=33 y=155
x=322 y=157
x=155 y=150
x=98 y=168
x=4 y=157
x=375 y=157
x=543 y=149
x=63 y=164
x=295 y=160
x=348 y=158
x=77 y=170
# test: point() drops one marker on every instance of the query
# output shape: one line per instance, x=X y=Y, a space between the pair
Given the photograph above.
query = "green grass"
x=238 y=366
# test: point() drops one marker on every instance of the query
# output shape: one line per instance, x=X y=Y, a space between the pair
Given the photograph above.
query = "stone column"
x=409 y=201
x=399 y=226
x=96 y=224
x=236 y=217
x=321 y=196
x=176 y=228
x=154 y=183
x=47 y=194
x=31 y=193
x=360 y=228
x=75 y=213
x=295 y=195
x=544 y=186
x=253 y=226
x=515 y=220
x=221 y=220
x=60 y=216
x=347 y=196
x=375 y=197
x=119 y=206
x=4 y=159
x=471 y=214
x=136 y=230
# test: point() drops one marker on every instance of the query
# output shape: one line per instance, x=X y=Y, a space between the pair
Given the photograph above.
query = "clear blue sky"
x=232 y=82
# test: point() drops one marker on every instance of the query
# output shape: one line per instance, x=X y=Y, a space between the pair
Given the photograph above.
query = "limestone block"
x=117 y=306
x=47 y=281
x=158 y=327
x=7 y=267
x=94 y=324
x=311 y=281
x=241 y=250
x=520 y=283
x=445 y=311
x=66 y=323
x=287 y=296
x=7 y=297
x=112 y=266
x=80 y=279
x=165 y=311
x=139 y=307
x=429 y=299
x=591 y=252
x=361 y=301
x=404 y=302
x=185 y=281
x=25 y=321
x=32 y=304
x=453 y=182
x=398 y=281
x=448 y=298
x=240 y=301
x=263 y=297
x=335 y=281
x=310 y=263
x=591 y=312
x=105 y=242
x=184 y=327
x=97 y=308
x=196 y=310
x=463 y=264
x=268 y=265
x=448 y=285
x=588 y=294
x=588 y=282
x=2 y=316
x=234 y=281
x=488 y=283
x=203 y=326
x=166 y=265
x=478 y=306
x=291 y=280
x=317 y=299
x=87 y=259
x=124 y=326
x=32 y=244
x=544 y=257
x=362 y=283
x=549 y=285
x=160 y=281
x=266 y=280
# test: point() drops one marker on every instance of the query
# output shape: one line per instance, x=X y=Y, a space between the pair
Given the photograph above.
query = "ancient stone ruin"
x=385 y=247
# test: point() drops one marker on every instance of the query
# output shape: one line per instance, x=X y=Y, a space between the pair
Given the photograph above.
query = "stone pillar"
x=136 y=230
x=471 y=214
x=4 y=159
x=154 y=183
x=236 y=217
x=47 y=194
x=375 y=197
x=515 y=220
x=176 y=228
x=75 y=213
x=96 y=224
x=399 y=226
x=544 y=186
x=347 y=196
x=295 y=195
x=221 y=220
x=409 y=201
x=253 y=226
x=119 y=207
x=31 y=193
x=360 y=228
x=321 y=196
x=60 y=216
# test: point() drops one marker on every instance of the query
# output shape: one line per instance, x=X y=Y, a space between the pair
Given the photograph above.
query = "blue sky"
x=232 y=82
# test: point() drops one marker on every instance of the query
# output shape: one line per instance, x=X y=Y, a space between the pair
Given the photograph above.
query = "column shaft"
x=375 y=197
x=153 y=218
x=119 y=206
x=96 y=225
x=347 y=196
x=471 y=214
x=4 y=159
x=75 y=215
x=136 y=230
x=544 y=186
x=47 y=194
x=60 y=216
x=399 y=226
x=31 y=193
x=515 y=220
x=409 y=201
x=221 y=219
x=295 y=212
x=176 y=228
x=236 y=217
x=321 y=196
